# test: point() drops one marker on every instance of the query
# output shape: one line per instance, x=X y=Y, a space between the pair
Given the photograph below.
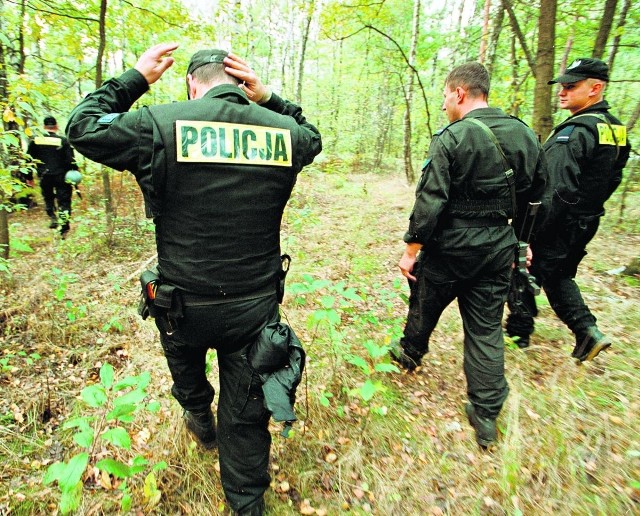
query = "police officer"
x=216 y=172
x=481 y=170
x=54 y=158
x=586 y=154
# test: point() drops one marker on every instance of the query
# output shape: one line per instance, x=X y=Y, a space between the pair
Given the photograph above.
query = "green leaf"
x=151 y=492
x=67 y=474
x=358 y=362
x=368 y=390
x=126 y=502
x=386 y=368
x=94 y=395
x=84 y=438
x=114 y=467
x=154 y=406
x=106 y=375
x=54 y=472
x=161 y=465
x=118 y=437
x=129 y=381
x=121 y=410
x=81 y=423
x=328 y=301
x=133 y=397
x=71 y=498
x=139 y=464
x=351 y=294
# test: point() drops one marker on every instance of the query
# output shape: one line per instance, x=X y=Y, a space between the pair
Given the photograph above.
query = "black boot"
x=400 y=357
x=589 y=343
x=486 y=432
x=202 y=426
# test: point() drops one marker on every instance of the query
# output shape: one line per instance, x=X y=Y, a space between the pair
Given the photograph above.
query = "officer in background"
x=482 y=170
x=216 y=173
x=586 y=154
x=54 y=158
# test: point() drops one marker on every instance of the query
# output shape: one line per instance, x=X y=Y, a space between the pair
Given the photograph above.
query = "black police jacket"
x=464 y=178
x=586 y=154
x=53 y=153
x=215 y=172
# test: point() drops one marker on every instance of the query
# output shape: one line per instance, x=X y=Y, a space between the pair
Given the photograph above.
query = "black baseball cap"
x=49 y=121
x=583 y=68
x=203 y=57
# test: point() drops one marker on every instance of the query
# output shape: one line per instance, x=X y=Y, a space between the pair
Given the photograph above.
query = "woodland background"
x=87 y=423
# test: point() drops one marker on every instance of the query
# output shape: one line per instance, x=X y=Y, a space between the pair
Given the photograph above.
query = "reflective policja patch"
x=239 y=144
x=606 y=136
x=48 y=140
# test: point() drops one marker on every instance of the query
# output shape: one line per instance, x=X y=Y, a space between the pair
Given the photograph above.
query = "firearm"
x=523 y=280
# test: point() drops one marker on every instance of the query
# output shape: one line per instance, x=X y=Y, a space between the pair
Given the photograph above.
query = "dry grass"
x=569 y=440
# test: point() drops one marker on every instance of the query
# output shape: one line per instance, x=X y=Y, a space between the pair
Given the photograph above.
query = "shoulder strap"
x=508 y=171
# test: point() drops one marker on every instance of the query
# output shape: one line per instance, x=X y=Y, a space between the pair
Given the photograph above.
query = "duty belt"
x=190 y=299
x=476 y=222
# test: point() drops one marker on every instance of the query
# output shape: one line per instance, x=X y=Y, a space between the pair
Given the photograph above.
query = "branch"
x=54 y=13
x=151 y=13
x=516 y=28
x=413 y=69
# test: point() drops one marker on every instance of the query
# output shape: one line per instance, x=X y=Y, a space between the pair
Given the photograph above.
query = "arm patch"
x=107 y=119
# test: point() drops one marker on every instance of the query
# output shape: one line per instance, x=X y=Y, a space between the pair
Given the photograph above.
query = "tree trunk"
x=4 y=157
x=619 y=30
x=606 y=23
x=106 y=181
x=495 y=36
x=506 y=4
x=310 y=8
x=542 y=121
x=407 y=132
x=485 y=32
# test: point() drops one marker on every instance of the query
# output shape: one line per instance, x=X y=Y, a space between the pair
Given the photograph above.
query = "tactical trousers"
x=555 y=263
x=57 y=195
x=243 y=437
x=480 y=284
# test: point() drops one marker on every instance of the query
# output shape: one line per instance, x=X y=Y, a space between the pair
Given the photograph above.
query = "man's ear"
x=191 y=87
x=596 y=89
x=460 y=94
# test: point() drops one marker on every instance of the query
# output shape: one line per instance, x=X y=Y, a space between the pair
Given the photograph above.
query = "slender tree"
x=545 y=55
x=407 y=147
x=606 y=22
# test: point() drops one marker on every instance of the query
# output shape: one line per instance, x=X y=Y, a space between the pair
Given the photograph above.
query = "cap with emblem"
x=583 y=68
x=49 y=121
x=203 y=57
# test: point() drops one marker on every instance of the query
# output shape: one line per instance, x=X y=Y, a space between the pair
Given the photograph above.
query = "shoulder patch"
x=610 y=134
x=107 y=119
x=563 y=135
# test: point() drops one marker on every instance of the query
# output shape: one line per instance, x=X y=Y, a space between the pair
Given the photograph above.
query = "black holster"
x=160 y=300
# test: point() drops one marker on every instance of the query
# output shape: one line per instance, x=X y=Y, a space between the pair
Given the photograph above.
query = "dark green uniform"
x=586 y=154
x=216 y=174
x=461 y=213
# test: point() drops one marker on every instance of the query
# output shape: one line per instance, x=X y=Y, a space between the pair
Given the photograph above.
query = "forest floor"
x=369 y=440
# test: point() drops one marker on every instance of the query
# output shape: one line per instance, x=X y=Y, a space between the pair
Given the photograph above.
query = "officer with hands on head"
x=586 y=154
x=481 y=171
x=216 y=172
x=54 y=158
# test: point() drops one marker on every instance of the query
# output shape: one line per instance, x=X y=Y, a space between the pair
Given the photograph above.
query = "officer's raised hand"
x=155 y=61
x=251 y=84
